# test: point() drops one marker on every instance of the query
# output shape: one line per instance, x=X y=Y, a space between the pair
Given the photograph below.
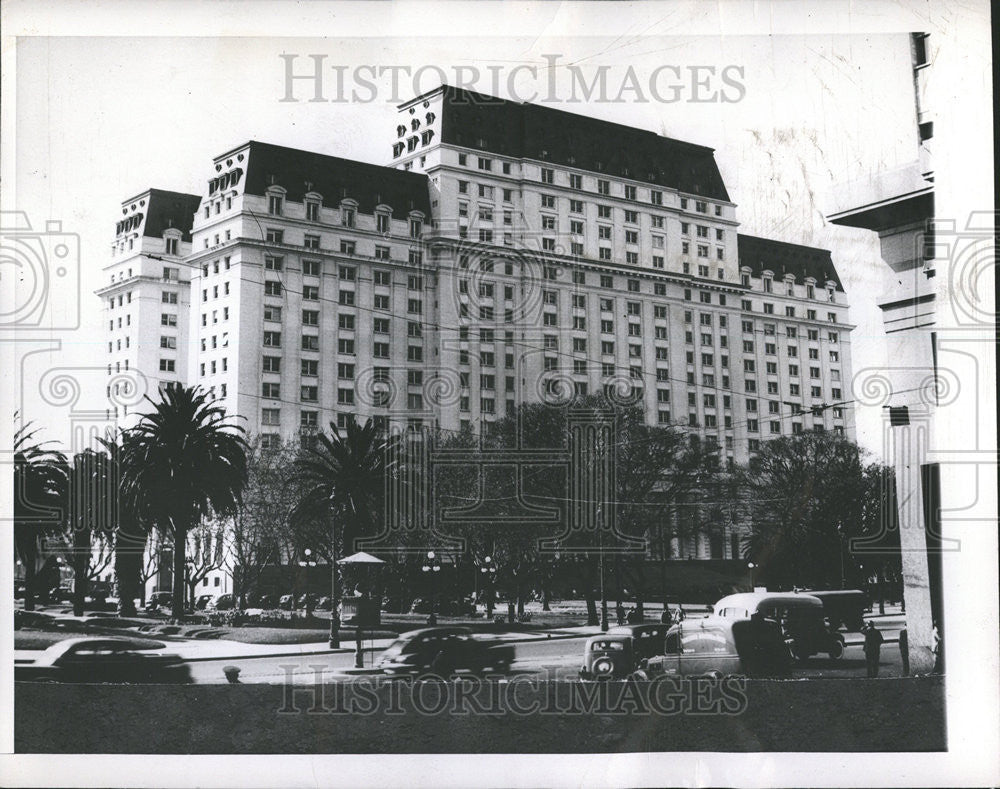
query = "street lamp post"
x=489 y=571
x=840 y=535
x=307 y=563
x=604 y=597
x=432 y=566
x=750 y=566
x=334 y=586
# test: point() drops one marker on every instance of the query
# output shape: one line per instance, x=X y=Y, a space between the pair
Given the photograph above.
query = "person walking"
x=937 y=649
x=873 y=648
x=904 y=651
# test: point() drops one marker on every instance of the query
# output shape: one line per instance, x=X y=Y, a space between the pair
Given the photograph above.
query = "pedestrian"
x=873 y=646
x=620 y=614
x=666 y=617
x=937 y=649
x=904 y=651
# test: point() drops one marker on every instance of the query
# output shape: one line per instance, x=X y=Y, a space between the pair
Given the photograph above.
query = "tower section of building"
x=146 y=300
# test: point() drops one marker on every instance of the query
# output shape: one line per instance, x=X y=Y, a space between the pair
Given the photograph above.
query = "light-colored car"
x=801 y=616
x=716 y=647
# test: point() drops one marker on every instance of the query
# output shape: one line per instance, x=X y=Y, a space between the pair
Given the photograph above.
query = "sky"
x=101 y=119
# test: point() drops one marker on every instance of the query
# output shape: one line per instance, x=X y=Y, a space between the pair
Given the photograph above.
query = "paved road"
x=563 y=656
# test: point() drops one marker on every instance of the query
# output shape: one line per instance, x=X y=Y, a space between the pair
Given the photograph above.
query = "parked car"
x=159 y=599
x=286 y=602
x=223 y=602
x=323 y=604
x=98 y=591
x=647 y=640
x=801 y=617
x=94 y=660
x=266 y=601
x=203 y=602
x=844 y=607
x=717 y=647
x=608 y=656
x=444 y=650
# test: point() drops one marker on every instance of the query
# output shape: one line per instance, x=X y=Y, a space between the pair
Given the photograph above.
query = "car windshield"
x=399 y=644
x=608 y=645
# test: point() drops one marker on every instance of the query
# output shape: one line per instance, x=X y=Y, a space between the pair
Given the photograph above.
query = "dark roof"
x=783 y=258
x=299 y=172
x=170 y=209
x=533 y=131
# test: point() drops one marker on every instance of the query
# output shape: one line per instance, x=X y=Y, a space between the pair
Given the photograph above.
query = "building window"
x=274 y=205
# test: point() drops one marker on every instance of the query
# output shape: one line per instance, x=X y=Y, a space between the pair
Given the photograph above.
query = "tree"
x=656 y=467
x=39 y=485
x=184 y=461
x=343 y=478
x=131 y=530
x=263 y=516
x=205 y=552
x=805 y=495
x=90 y=498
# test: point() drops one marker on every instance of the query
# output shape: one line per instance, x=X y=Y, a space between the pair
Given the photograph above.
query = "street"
x=315 y=701
x=531 y=657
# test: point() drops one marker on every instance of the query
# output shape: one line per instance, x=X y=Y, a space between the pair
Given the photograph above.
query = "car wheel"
x=501 y=666
x=715 y=676
x=836 y=650
x=638 y=676
x=48 y=678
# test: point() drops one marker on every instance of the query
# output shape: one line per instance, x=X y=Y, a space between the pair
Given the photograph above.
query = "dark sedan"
x=443 y=651
x=93 y=660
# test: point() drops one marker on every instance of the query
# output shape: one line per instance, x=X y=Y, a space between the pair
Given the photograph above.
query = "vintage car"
x=843 y=607
x=801 y=617
x=608 y=656
x=90 y=660
x=647 y=640
x=717 y=647
x=445 y=650
x=160 y=599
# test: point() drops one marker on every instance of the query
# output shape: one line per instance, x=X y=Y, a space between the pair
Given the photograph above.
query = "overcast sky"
x=100 y=119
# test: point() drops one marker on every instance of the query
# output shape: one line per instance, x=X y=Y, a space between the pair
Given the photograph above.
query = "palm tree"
x=342 y=477
x=39 y=489
x=130 y=530
x=183 y=462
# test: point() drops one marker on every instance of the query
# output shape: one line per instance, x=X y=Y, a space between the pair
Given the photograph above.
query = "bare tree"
x=261 y=526
x=206 y=552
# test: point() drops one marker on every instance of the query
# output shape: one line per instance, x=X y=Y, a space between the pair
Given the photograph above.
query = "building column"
x=908 y=444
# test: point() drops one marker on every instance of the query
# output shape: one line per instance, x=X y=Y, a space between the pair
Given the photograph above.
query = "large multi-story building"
x=511 y=253
x=147 y=297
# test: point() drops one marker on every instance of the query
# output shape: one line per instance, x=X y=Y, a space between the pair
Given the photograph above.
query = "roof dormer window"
x=275 y=200
x=348 y=212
